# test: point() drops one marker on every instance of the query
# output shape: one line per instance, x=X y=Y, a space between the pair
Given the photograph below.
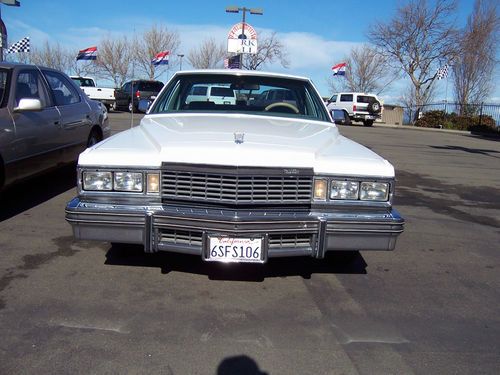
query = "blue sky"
x=317 y=34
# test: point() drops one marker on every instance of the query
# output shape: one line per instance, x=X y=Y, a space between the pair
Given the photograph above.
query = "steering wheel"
x=282 y=104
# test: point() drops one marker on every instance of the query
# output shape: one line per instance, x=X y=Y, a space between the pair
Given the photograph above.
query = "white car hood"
x=210 y=139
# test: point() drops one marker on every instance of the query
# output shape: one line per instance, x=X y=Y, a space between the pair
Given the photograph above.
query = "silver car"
x=45 y=121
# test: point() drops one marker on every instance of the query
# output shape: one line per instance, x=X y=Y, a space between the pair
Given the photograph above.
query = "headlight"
x=97 y=181
x=128 y=181
x=374 y=191
x=344 y=189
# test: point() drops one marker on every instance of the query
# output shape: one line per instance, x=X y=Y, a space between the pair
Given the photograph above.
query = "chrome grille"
x=234 y=187
x=194 y=239
x=292 y=241
x=180 y=237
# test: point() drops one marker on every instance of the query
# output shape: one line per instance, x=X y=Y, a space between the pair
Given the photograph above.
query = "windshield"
x=150 y=86
x=83 y=82
x=261 y=95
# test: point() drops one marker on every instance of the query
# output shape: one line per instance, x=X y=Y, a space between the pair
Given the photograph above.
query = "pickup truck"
x=104 y=95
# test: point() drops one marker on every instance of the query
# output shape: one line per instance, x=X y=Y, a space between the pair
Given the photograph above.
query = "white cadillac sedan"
x=265 y=175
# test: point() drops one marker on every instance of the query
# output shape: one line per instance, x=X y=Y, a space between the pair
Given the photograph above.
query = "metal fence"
x=492 y=110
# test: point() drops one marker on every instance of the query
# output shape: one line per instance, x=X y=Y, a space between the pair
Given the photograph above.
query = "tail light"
x=137 y=94
x=354 y=107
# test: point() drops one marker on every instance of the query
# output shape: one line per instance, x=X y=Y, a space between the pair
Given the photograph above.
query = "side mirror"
x=144 y=105
x=26 y=105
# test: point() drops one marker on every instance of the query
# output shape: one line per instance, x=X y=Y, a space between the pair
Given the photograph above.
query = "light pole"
x=3 y=29
x=244 y=10
x=180 y=56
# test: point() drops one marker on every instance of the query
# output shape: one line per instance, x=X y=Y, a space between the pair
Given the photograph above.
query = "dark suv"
x=131 y=92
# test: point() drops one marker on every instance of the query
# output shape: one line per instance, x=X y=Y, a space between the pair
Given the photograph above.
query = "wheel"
x=94 y=138
x=374 y=107
x=130 y=107
x=368 y=122
x=347 y=120
x=281 y=104
x=114 y=106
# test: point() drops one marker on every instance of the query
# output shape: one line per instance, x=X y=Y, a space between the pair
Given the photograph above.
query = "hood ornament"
x=239 y=138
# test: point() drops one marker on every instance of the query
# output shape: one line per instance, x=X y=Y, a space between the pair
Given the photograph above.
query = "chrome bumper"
x=184 y=229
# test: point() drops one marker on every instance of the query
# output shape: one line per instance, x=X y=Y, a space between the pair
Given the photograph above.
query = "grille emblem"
x=239 y=138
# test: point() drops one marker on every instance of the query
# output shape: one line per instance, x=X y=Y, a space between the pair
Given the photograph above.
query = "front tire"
x=347 y=120
x=94 y=137
x=368 y=122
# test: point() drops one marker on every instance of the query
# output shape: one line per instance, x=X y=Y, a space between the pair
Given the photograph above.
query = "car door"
x=75 y=113
x=122 y=95
x=35 y=145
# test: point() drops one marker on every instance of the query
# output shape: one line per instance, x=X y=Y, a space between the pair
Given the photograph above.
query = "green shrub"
x=440 y=119
x=431 y=119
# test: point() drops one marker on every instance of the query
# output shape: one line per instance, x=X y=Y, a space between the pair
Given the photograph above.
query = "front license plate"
x=240 y=250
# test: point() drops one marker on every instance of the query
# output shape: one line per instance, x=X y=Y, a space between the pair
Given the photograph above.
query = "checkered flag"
x=22 y=46
x=442 y=72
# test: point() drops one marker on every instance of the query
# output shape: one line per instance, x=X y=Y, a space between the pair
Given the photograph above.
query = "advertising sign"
x=242 y=38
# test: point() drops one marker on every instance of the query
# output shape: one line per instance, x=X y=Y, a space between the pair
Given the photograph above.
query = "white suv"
x=212 y=93
x=358 y=106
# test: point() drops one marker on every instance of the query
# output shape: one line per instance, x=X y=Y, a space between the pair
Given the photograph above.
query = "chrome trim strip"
x=321 y=242
x=149 y=233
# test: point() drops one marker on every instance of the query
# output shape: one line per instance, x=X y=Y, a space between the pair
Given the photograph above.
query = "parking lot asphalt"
x=429 y=307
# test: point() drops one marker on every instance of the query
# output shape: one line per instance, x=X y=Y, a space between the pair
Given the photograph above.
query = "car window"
x=83 y=82
x=29 y=85
x=64 y=93
x=242 y=94
x=221 y=91
x=199 y=90
x=126 y=87
x=150 y=86
x=4 y=87
x=334 y=98
x=346 y=97
x=365 y=99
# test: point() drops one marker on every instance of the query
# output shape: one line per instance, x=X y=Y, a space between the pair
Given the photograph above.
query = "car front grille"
x=236 y=186
x=194 y=239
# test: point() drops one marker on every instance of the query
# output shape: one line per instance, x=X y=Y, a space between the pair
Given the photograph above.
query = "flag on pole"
x=442 y=72
x=233 y=62
x=22 y=46
x=160 y=58
x=339 y=69
x=87 y=54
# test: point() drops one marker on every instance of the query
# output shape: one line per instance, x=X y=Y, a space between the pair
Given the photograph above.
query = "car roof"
x=17 y=65
x=240 y=72
x=354 y=93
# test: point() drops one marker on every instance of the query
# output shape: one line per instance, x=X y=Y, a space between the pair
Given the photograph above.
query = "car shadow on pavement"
x=33 y=191
x=334 y=263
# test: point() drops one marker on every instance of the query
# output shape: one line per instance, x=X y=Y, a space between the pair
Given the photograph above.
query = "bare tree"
x=408 y=97
x=155 y=40
x=52 y=56
x=366 y=71
x=208 y=55
x=114 y=60
x=419 y=39
x=270 y=49
x=474 y=66
x=83 y=68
